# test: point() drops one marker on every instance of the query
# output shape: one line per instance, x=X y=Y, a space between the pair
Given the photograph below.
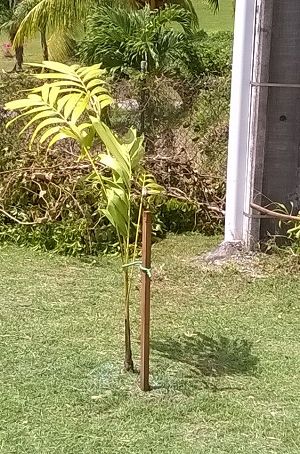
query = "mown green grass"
x=221 y=21
x=225 y=364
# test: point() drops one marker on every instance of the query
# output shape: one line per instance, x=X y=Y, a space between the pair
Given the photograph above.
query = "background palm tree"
x=66 y=14
x=19 y=11
x=12 y=26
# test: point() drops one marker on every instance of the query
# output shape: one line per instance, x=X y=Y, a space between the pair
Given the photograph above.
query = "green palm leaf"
x=51 y=100
x=54 y=112
x=54 y=15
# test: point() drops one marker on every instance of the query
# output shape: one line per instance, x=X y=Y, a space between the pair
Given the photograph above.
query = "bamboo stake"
x=145 y=301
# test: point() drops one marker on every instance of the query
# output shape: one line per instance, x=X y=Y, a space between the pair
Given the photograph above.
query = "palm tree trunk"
x=44 y=45
x=19 y=50
x=19 y=58
x=128 y=362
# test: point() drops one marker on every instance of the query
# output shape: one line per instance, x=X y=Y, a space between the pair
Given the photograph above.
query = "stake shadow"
x=211 y=357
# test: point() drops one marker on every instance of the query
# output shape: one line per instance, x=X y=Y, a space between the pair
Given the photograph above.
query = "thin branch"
x=274 y=214
x=34 y=169
x=18 y=221
x=175 y=193
x=71 y=195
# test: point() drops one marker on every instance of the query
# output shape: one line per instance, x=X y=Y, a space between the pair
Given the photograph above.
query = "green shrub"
x=4 y=14
x=67 y=237
x=203 y=54
x=121 y=39
x=216 y=53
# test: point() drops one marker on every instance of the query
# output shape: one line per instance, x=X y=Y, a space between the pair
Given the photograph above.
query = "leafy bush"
x=4 y=13
x=203 y=54
x=121 y=38
x=67 y=237
x=216 y=53
x=287 y=231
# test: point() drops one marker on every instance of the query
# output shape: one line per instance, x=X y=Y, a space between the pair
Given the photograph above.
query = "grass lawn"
x=223 y=20
x=225 y=359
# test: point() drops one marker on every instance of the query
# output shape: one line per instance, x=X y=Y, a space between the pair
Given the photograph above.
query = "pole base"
x=225 y=251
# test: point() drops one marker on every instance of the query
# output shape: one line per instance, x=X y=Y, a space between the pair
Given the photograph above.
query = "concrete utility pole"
x=238 y=148
x=264 y=142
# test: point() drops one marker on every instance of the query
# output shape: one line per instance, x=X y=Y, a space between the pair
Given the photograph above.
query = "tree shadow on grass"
x=210 y=356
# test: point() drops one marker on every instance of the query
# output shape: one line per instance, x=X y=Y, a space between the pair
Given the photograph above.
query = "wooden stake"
x=145 y=301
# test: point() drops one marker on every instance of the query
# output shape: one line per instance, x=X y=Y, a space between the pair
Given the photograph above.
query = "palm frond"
x=214 y=4
x=54 y=14
x=69 y=92
x=61 y=45
x=55 y=111
x=18 y=13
